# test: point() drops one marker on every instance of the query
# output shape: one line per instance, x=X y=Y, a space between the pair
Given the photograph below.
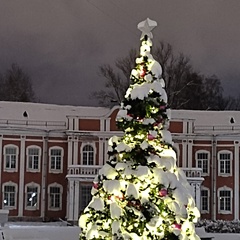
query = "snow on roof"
x=46 y=112
x=52 y=112
x=210 y=118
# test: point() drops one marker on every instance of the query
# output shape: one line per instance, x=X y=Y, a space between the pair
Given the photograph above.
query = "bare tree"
x=116 y=80
x=16 y=85
x=186 y=88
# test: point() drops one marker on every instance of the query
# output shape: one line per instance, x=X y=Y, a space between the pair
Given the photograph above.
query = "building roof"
x=46 y=112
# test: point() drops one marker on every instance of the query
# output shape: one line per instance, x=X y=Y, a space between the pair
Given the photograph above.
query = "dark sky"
x=61 y=44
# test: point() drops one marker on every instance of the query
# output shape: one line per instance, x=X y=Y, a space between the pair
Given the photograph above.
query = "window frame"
x=84 y=145
x=55 y=185
x=11 y=184
x=28 y=169
x=225 y=160
x=55 y=170
x=224 y=211
x=84 y=195
x=34 y=185
x=13 y=146
x=202 y=160
x=204 y=211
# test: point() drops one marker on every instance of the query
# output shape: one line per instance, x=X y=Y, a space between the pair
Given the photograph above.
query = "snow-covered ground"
x=58 y=231
x=39 y=231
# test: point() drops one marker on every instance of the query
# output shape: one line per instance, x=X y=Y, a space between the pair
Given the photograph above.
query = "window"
x=56 y=159
x=225 y=200
x=85 y=196
x=88 y=155
x=9 y=195
x=32 y=196
x=202 y=161
x=225 y=163
x=10 y=158
x=55 y=196
x=33 y=159
x=204 y=200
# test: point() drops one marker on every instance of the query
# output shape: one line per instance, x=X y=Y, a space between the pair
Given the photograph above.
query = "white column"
x=107 y=125
x=101 y=152
x=76 y=201
x=71 y=199
x=184 y=153
x=21 y=169
x=75 y=151
x=70 y=155
x=44 y=175
x=189 y=153
x=76 y=123
x=236 y=180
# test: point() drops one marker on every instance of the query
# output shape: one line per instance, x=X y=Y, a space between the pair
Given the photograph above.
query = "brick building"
x=51 y=153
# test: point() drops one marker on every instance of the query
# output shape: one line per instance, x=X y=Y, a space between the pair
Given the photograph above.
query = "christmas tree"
x=140 y=193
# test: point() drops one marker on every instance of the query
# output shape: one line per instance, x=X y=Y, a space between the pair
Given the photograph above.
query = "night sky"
x=61 y=44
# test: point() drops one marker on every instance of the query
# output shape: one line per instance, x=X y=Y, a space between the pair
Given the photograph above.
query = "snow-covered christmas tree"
x=140 y=193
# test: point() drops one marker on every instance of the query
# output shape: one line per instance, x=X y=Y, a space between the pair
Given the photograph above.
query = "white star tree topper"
x=146 y=27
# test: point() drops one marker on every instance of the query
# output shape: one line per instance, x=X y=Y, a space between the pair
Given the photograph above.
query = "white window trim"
x=10 y=183
x=231 y=160
x=208 y=199
x=4 y=156
x=39 y=159
x=196 y=158
x=61 y=196
x=32 y=184
x=49 y=157
x=225 y=188
x=92 y=144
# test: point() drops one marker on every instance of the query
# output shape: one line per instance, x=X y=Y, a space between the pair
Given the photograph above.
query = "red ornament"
x=177 y=226
x=150 y=137
x=163 y=192
x=95 y=185
x=142 y=73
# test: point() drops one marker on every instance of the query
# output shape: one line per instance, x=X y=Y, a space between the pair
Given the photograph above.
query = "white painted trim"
x=49 y=157
x=39 y=158
x=100 y=150
x=236 y=181
x=10 y=183
x=76 y=201
x=4 y=157
x=32 y=184
x=208 y=159
x=70 y=151
x=189 y=152
x=71 y=205
x=57 y=185
x=224 y=188
x=184 y=154
x=21 y=176
x=231 y=163
x=93 y=145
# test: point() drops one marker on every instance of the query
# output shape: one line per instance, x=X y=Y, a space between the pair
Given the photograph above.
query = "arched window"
x=9 y=191
x=225 y=200
x=225 y=163
x=55 y=192
x=202 y=161
x=32 y=191
x=11 y=158
x=33 y=159
x=88 y=155
x=56 y=159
